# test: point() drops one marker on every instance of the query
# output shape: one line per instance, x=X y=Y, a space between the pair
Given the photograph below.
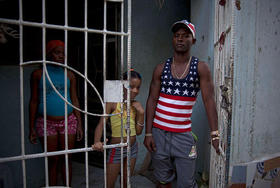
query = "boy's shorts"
x=114 y=154
x=175 y=156
x=56 y=127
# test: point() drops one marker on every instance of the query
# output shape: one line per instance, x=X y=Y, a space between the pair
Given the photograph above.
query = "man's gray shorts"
x=175 y=156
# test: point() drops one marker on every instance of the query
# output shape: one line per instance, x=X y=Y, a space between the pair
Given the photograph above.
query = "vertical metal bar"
x=65 y=92
x=21 y=95
x=44 y=93
x=122 y=39
x=122 y=63
x=85 y=94
x=116 y=40
x=231 y=74
x=128 y=91
x=104 y=79
x=122 y=146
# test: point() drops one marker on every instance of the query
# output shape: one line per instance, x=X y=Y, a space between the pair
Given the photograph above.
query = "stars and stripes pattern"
x=177 y=98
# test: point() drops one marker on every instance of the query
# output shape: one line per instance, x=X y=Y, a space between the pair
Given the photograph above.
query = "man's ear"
x=194 y=40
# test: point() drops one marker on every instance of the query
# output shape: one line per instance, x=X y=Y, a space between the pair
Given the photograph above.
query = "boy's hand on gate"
x=98 y=146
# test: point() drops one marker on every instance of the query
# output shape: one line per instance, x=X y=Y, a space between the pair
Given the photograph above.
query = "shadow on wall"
x=10 y=137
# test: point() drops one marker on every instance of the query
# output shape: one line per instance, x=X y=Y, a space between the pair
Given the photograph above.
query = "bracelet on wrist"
x=215 y=133
x=141 y=125
x=148 y=134
x=215 y=138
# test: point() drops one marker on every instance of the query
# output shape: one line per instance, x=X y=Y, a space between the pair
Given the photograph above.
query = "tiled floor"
x=96 y=179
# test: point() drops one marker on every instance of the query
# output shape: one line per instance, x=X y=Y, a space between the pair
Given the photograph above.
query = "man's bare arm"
x=151 y=106
x=207 y=91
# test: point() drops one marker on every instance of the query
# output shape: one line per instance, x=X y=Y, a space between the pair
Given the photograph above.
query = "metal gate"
x=125 y=43
x=224 y=37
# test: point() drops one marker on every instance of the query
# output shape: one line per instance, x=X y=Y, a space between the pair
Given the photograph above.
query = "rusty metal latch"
x=225 y=103
x=238 y=4
x=222 y=40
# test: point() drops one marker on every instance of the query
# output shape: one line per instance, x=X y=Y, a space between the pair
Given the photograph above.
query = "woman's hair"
x=133 y=74
x=51 y=45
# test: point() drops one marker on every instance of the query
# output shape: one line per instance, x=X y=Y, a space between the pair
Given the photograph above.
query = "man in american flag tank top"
x=173 y=91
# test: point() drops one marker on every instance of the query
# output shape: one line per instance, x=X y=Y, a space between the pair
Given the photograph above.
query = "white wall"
x=255 y=134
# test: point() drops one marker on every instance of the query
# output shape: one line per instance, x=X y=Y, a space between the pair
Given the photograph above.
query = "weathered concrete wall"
x=255 y=123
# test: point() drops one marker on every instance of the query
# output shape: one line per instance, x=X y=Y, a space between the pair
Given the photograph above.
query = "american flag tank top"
x=177 y=98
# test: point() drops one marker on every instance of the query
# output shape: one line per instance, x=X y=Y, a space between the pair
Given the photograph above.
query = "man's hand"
x=149 y=143
x=215 y=144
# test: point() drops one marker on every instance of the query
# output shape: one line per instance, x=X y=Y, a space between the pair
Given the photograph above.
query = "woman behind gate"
x=55 y=110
